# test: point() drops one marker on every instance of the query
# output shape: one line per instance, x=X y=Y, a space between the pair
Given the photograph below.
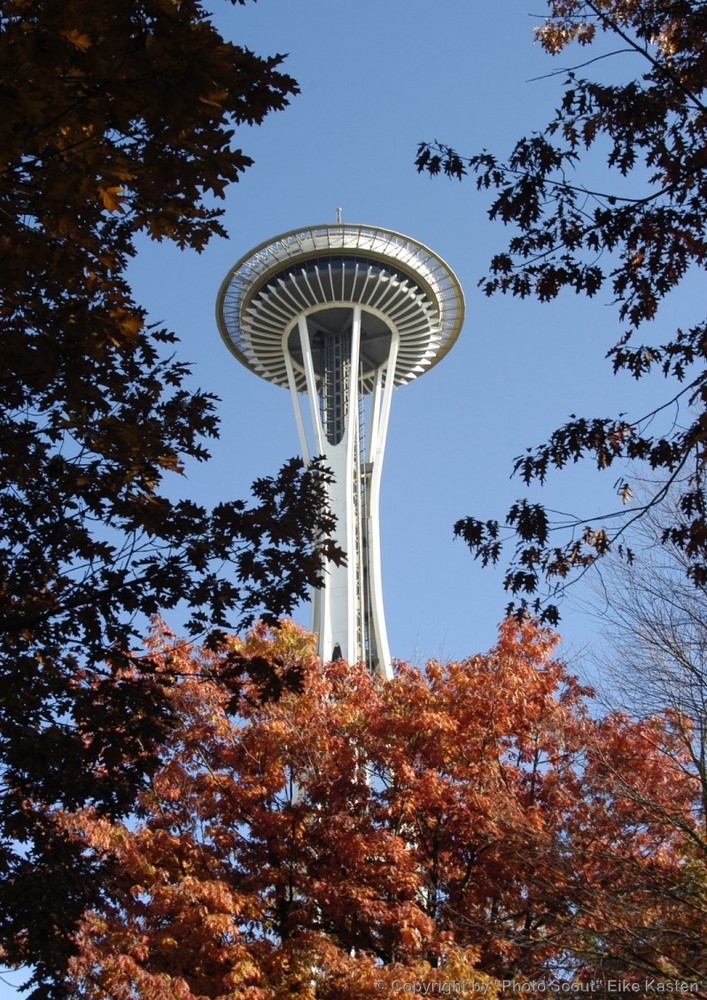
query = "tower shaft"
x=348 y=430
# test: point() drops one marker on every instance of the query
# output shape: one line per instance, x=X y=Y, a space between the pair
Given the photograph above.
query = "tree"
x=116 y=119
x=639 y=230
x=654 y=623
x=468 y=823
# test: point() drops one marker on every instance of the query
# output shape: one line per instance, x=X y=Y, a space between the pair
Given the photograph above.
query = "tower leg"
x=347 y=612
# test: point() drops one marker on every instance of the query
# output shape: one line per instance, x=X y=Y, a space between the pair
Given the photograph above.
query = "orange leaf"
x=110 y=196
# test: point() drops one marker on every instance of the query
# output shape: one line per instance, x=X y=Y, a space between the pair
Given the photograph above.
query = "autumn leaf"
x=112 y=198
x=81 y=41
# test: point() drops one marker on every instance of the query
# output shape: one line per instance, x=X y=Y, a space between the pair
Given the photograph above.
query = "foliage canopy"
x=471 y=823
x=116 y=119
x=638 y=231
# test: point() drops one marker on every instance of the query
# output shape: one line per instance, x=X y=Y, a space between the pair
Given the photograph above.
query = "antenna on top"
x=338 y=216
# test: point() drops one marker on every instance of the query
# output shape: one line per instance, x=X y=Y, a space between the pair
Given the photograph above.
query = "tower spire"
x=342 y=315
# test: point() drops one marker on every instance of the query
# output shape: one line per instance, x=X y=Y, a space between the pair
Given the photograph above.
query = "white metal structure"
x=343 y=313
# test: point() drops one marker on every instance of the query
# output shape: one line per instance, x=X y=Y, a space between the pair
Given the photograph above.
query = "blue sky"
x=378 y=76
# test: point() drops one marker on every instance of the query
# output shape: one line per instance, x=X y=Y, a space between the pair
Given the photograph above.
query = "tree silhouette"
x=117 y=118
x=638 y=239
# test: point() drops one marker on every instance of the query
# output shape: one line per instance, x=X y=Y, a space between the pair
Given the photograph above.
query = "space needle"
x=340 y=315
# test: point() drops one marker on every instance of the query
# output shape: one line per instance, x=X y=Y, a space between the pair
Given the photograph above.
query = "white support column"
x=297 y=407
x=375 y=410
x=321 y=598
x=380 y=430
x=356 y=650
x=376 y=447
x=312 y=390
